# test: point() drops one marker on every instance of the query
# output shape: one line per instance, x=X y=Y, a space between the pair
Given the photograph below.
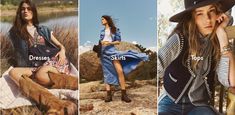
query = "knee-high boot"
x=63 y=81
x=44 y=98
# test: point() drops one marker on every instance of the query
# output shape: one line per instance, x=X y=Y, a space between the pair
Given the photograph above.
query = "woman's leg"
x=166 y=106
x=121 y=78
x=53 y=105
x=42 y=77
x=120 y=73
x=16 y=73
x=108 y=98
x=107 y=86
x=203 y=110
x=39 y=94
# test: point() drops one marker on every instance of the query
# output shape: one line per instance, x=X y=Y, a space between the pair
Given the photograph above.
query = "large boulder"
x=90 y=67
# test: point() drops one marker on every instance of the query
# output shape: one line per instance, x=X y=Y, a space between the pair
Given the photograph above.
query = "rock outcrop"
x=143 y=95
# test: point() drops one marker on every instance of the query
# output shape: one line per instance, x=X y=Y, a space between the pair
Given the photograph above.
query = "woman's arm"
x=168 y=53
x=226 y=69
x=115 y=43
x=61 y=53
x=106 y=43
x=227 y=63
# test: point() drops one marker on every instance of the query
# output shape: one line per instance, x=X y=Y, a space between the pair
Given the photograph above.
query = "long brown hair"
x=110 y=23
x=20 y=25
x=188 y=28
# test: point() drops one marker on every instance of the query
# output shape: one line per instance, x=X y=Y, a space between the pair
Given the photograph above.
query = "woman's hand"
x=61 y=54
x=223 y=21
x=61 y=57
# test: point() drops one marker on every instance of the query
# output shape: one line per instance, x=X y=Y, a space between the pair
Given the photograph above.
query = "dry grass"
x=69 y=38
x=10 y=10
x=6 y=52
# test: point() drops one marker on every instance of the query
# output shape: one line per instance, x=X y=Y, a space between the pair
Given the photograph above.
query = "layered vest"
x=177 y=77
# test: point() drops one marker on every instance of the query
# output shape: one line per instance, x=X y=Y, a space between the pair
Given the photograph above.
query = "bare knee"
x=42 y=75
x=14 y=74
x=48 y=69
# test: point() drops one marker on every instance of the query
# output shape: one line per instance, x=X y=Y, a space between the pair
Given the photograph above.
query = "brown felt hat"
x=190 y=5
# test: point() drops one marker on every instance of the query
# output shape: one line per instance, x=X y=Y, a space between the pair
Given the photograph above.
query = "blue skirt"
x=128 y=59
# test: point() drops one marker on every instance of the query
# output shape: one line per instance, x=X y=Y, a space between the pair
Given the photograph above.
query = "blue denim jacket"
x=21 y=46
x=115 y=37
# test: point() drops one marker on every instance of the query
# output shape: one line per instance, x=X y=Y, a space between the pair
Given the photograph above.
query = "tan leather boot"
x=231 y=102
x=63 y=81
x=44 y=98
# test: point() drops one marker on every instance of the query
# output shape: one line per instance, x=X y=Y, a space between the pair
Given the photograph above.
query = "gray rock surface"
x=143 y=95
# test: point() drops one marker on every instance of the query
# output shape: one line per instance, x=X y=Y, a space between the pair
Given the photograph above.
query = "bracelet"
x=226 y=48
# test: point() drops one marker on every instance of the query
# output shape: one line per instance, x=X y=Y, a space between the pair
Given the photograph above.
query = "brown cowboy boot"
x=63 y=81
x=125 y=97
x=43 y=97
x=108 y=98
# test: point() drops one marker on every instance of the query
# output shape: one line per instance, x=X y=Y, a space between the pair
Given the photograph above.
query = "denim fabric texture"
x=128 y=59
x=184 y=107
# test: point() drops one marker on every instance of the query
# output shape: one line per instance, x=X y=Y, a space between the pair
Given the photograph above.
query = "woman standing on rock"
x=188 y=61
x=40 y=60
x=116 y=64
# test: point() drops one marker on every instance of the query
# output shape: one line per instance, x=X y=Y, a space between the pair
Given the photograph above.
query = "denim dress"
x=128 y=59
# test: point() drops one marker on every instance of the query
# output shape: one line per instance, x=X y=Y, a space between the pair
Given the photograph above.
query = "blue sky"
x=135 y=18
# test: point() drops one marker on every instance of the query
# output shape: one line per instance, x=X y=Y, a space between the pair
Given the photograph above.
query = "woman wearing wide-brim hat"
x=195 y=52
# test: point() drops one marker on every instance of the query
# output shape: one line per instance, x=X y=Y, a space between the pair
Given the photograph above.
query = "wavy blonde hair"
x=189 y=29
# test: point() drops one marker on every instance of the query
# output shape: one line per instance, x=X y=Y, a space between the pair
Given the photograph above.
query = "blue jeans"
x=167 y=107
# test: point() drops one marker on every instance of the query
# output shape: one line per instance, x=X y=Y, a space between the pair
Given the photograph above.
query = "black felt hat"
x=190 y=5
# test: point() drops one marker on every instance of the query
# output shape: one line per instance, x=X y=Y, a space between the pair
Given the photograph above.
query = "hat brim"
x=226 y=5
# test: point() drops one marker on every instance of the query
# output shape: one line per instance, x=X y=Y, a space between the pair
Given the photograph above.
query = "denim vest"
x=177 y=78
x=21 y=46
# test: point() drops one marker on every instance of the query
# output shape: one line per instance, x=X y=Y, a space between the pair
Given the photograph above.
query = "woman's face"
x=103 y=21
x=205 y=19
x=26 y=12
